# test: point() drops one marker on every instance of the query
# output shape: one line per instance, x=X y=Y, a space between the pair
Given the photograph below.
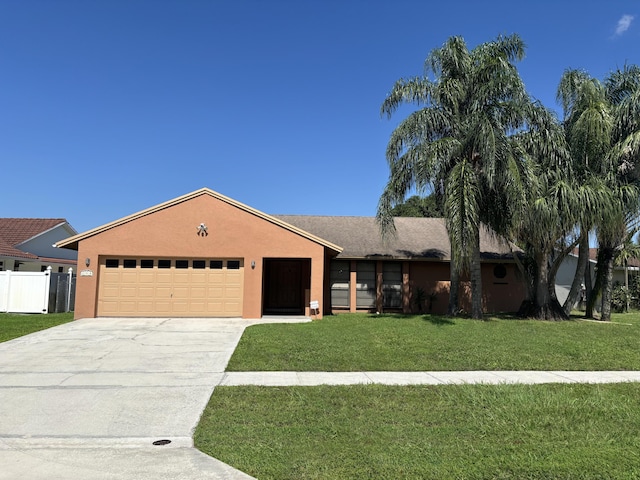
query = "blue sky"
x=108 y=107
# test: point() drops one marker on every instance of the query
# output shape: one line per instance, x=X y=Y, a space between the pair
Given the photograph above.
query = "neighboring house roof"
x=415 y=237
x=16 y=231
x=593 y=257
x=6 y=250
x=72 y=242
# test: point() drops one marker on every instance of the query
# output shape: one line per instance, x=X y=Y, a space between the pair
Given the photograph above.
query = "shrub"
x=620 y=298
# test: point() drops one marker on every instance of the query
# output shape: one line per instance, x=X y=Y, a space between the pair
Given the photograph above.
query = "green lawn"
x=429 y=432
x=16 y=325
x=361 y=342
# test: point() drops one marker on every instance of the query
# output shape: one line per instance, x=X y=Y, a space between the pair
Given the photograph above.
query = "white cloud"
x=623 y=24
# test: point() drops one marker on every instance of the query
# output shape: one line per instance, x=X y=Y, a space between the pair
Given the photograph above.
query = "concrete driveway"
x=86 y=400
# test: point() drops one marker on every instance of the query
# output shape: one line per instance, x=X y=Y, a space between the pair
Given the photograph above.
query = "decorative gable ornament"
x=202 y=230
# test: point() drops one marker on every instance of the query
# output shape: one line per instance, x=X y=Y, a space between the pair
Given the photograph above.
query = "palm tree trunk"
x=626 y=284
x=546 y=306
x=608 y=285
x=588 y=285
x=476 y=278
x=454 y=286
x=583 y=260
x=597 y=286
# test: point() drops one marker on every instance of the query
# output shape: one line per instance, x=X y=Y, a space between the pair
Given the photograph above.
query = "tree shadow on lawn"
x=439 y=320
x=431 y=318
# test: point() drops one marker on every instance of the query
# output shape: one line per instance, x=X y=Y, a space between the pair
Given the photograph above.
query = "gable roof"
x=16 y=231
x=415 y=238
x=7 y=250
x=72 y=242
x=593 y=257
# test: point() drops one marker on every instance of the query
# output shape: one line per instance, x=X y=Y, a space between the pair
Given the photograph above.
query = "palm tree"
x=545 y=224
x=602 y=122
x=461 y=142
x=588 y=126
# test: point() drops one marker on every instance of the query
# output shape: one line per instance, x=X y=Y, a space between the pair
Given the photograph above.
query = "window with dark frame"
x=164 y=263
x=182 y=264
x=146 y=263
x=215 y=264
x=112 y=263
x=233 y=265
x=199 y=264
x=129 y=263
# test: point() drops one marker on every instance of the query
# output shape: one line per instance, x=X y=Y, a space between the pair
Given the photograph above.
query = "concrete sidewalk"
x=273 y=379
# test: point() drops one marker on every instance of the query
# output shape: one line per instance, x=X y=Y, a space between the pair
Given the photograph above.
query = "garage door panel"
x=162 y=307
x=164 y=277
x=181 y=277
x=198 y=277
x=232 y=292
x=198 y=292
x=146 y=292
x=216 y=278
x=110 y=291
x=230 y=307
x=215 y=292
x=147 y=276
x=209 y=291
x=163 y=292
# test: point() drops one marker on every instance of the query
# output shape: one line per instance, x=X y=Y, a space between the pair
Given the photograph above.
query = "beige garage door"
x=172 y=287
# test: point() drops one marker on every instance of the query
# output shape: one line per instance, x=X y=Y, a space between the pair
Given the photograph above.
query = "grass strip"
x=16 y=325
x=361 y=342
x=553 y=431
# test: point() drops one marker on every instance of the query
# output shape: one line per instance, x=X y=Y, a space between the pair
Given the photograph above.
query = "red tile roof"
x=14 y=231
x=17 y=230
x=7 y=250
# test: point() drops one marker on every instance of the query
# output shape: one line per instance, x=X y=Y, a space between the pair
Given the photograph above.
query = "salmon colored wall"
x=499 y=295
x=433 y=278
x=502 y=294
x=172 y=232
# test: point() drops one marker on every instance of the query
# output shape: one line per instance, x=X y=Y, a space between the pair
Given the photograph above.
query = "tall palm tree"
x=547 y=219
x=461 y=142
x=602 y=122
x=588 y=126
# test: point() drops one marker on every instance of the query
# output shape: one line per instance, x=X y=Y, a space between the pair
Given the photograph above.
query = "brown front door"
x=284 y=285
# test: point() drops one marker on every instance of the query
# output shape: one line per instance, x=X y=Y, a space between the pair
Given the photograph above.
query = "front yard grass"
x=362 y=342
x=431 y=432
x=16 y=325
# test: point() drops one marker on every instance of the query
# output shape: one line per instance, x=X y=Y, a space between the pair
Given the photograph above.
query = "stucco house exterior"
x=205 y=255
x=27 y=244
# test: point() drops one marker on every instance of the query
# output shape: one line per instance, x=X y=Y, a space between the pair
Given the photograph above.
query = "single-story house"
x=204 y=254
x=27 y=245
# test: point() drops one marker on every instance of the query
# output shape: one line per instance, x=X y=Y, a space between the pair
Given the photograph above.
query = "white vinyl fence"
x=28 y=292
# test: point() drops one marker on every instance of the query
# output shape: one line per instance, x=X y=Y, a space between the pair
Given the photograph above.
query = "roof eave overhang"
x=73 y=242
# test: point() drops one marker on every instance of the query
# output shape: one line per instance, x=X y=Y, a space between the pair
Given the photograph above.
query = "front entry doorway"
x=286 y=280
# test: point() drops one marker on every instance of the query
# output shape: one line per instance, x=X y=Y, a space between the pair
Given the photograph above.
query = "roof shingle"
x=415 y=238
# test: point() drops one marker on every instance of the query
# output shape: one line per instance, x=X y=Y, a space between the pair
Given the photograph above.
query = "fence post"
x=47 y=288
x=68 y=306
x=8 y=291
